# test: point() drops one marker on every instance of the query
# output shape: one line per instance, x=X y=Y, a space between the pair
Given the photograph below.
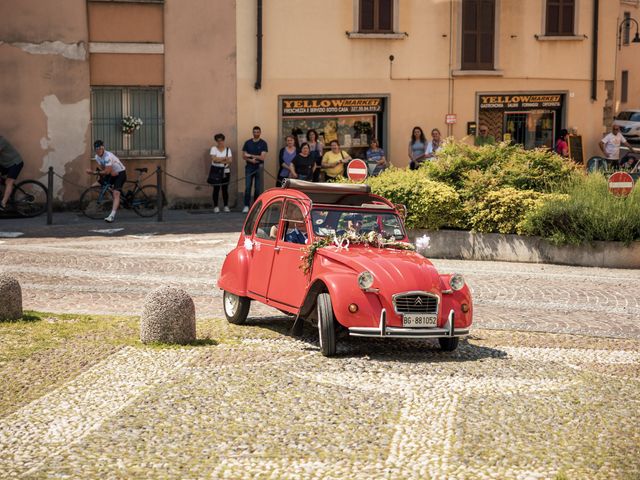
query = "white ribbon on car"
x=341 y=243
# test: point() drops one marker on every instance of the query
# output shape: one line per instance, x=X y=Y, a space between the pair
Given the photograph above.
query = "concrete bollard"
x=10 y=298
x=168 y=316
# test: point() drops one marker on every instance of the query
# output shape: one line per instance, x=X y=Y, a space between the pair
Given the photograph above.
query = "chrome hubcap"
x=231 y=302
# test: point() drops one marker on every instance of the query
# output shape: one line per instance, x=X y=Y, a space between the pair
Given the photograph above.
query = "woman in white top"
x=434 y=145
x=221 y=158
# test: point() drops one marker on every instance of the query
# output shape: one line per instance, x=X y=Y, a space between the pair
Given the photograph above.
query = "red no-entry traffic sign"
x=357 y=170
x=620 y=184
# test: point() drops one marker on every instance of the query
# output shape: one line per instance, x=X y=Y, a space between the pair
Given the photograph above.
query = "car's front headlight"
x=456 y=282
x=365 y=280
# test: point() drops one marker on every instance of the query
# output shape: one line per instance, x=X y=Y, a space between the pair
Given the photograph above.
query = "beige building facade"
x=525 y=68
x=628 y=57
x=71 y=70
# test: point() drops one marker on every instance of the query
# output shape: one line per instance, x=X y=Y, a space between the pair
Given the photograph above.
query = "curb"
x=464 y=245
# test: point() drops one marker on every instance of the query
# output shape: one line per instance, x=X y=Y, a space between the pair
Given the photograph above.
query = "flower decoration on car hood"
x=370 y=239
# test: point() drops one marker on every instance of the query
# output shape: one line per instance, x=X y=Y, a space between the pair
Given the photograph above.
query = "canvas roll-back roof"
x=347 y=194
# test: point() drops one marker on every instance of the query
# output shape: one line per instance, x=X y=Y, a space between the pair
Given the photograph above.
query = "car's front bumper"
x=382 y=330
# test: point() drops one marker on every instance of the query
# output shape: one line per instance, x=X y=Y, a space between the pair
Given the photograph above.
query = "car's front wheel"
x=236 y=308
x=326 y=325
x=448 y=344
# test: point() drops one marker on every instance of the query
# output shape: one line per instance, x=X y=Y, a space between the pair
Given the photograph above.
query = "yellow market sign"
x=520 y=101
x=293 y=107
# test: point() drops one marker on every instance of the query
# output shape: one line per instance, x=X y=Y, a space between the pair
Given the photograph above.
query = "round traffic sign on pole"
x=357 y=170
x=620 y=184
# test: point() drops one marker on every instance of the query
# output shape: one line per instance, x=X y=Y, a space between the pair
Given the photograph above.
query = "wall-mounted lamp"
x=627 y=22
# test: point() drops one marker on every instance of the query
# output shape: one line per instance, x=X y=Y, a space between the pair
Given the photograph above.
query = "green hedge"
x=430 y=204
x=475 y=171
x=506 y=189
x=587 y=213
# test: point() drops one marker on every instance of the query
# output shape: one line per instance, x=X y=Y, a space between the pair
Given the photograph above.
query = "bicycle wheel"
x=29 y=198
x=145 y=201
x=96 y=204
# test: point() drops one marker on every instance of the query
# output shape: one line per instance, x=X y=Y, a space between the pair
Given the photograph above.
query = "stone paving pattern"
x=256 y=403
x=112 y=273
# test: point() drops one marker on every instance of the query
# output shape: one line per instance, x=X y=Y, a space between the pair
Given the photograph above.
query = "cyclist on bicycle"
x=112 y=172
x=10 y=165
x=610 y=145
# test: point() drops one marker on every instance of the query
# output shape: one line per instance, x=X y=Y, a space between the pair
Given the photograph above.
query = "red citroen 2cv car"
x=339 y=256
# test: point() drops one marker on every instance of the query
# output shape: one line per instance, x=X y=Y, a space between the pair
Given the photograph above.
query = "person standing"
x=221 y=158
x=254 y=153
x=610 y=145
x=286 y=156
x=333 y=161
x=10 y=165
x=376 y=161
x=562 y=147
x=112 y=172
x=315 y=150
x=303 y=166
x=417 y=148
x=483 y=137
x=434 y=145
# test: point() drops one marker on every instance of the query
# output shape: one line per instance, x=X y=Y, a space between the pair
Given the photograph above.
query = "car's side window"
x=251 y=219
x=294 y=225
x=268 y=224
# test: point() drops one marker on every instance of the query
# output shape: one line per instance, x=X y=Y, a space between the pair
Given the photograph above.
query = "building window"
x=626 y=28
x=108 y=107
x=560 y=17
x=376 y=16
x=624 y=87
x=478 y=34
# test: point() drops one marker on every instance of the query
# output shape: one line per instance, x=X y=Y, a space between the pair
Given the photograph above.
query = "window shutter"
x=553 y=17
x=366 y=15
x=560 y=17
x=478 y=32
x=385 y=15
x=624 y=88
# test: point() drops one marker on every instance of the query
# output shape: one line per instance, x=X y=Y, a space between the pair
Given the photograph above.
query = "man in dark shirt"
x=10 y=165
x=254 y=152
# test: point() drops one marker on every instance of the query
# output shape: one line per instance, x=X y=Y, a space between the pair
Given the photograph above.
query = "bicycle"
x=96 y=201
x=28 y=199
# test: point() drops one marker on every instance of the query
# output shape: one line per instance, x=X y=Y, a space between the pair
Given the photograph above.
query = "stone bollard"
x=168 y=316
x=10 y=298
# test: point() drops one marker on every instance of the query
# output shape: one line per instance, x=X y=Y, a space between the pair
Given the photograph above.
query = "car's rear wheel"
x=326 y=325
x=236 y=308
x=449 y=344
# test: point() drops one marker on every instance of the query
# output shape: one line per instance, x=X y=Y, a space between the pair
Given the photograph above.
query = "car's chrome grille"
x=416 y=303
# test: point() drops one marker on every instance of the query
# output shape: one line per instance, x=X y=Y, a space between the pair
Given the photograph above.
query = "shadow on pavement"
x=73 y=224
x=380 y=349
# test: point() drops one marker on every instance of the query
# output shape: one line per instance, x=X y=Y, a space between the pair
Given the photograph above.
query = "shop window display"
x=353 y=132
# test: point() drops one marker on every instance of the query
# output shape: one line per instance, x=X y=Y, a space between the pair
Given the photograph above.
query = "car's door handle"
x=277 y=249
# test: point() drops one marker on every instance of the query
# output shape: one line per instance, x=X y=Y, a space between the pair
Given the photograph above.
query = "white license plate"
x=417 y=320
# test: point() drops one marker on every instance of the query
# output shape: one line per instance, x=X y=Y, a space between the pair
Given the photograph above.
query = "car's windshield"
x=327 y=222
x=630 y=116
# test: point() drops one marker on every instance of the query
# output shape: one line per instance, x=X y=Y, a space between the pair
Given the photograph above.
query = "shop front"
x=529 y=119
x=352 y=120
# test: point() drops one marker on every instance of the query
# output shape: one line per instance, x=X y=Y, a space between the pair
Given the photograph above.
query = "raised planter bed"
x=514 y=248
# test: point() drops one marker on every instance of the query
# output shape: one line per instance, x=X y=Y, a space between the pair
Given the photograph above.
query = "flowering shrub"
x=430 y=204
x=131 y=124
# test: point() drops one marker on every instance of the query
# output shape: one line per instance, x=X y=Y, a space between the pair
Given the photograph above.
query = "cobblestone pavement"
x=256 y=403
x=504 y=405
x=99 y=270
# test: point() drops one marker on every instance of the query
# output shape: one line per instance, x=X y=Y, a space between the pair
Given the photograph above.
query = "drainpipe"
x=594 y=51
x=258 y=84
